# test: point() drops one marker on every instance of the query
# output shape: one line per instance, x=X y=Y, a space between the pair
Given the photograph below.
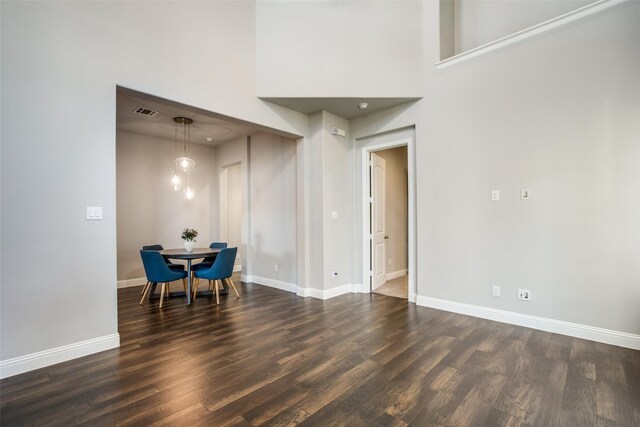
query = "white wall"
x=148 y=209
x=477 y=22
x=557 y=115
x=396 y=204
x=61 y=63
x=272 y=235
x=339 y=49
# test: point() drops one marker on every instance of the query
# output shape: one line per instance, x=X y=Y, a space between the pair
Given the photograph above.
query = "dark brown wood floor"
x=273 y=358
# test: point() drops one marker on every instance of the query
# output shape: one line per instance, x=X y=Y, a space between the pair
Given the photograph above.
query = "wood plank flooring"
x=272 y=358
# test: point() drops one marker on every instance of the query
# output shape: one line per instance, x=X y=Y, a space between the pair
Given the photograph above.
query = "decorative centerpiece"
x=189 y=236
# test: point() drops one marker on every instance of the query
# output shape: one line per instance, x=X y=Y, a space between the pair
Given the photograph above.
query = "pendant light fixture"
x=183 y=164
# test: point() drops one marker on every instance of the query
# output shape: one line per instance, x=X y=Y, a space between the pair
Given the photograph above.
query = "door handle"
x=386 y=237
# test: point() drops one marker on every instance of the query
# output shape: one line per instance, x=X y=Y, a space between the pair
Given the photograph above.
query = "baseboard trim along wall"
x=395 y=274
x=607 y=336
x=129 y=283
x=41 y=359
x=349 y=288
x=272 y=283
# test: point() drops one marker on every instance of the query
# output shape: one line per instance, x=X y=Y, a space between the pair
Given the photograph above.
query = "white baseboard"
x=129 y=283
x=349 y=288
x=304 y=292
x=396 y=274
x=607 y=336
x=272 y=283
x=29 y=362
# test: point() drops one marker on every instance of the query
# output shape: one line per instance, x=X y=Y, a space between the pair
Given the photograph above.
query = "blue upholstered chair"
x=157 y=271
x=208 y=262
x=222 y=269
x=169 y=263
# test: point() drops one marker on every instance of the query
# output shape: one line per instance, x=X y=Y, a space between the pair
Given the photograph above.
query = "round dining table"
x=196 y=253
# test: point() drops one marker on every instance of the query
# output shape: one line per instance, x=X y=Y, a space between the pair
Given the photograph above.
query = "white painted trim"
x=41 y=359
x=272 y=283
x=349 y=288
x=411 y=210
x=577 y=330
x=396 y=274
x=543 y=27
x=129 y=283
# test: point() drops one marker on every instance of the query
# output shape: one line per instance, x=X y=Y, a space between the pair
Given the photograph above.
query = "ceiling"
x=218 y=130
x=346 y=108
x=214 y=129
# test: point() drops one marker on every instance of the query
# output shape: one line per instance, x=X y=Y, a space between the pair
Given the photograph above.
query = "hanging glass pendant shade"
x=175 y=181
x=184 y=163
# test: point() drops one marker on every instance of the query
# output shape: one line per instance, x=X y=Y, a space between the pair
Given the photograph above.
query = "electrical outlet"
x=275 y=267
x=524 y=295
x=334 y=273
x=496 y=291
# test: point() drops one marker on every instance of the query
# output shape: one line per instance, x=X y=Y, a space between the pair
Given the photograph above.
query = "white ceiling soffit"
x=347 y=108
x=206 y=125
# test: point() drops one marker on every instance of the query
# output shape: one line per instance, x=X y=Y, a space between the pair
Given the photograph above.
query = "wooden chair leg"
x=144 y=292
x=230 y=282
x=215 y=285
x=195 y=289
x=162 y=294
x=210 y=285
x=184 y=285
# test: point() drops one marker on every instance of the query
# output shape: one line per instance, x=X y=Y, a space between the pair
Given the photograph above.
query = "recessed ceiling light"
x=227 y=130
x=209 y=139
x=363 y=105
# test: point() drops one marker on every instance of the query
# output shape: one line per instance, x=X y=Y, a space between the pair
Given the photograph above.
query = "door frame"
x=411 y=209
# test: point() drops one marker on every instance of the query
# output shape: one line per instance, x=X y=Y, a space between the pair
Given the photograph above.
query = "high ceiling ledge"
x=347 y=108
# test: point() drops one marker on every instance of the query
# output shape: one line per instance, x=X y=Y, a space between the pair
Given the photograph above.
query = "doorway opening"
x=388 y=192
x=388 y=214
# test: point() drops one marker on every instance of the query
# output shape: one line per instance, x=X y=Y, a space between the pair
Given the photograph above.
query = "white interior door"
x=378 y=220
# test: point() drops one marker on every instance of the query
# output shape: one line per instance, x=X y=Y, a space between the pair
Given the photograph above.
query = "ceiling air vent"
x=144 y=111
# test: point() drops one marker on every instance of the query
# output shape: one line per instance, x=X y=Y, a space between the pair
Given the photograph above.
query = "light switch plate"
x=94 y=212
x=495 y=195
x=334 y=214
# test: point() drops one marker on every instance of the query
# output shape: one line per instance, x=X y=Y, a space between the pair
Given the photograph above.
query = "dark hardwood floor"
x=276 y=359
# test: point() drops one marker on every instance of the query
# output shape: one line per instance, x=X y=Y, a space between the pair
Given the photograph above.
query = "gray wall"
x=61 y=63
x=339 y=49
x=148 y=210
x=272 y=207
x=477 y=22
x=330 y=184
x=557 y=115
